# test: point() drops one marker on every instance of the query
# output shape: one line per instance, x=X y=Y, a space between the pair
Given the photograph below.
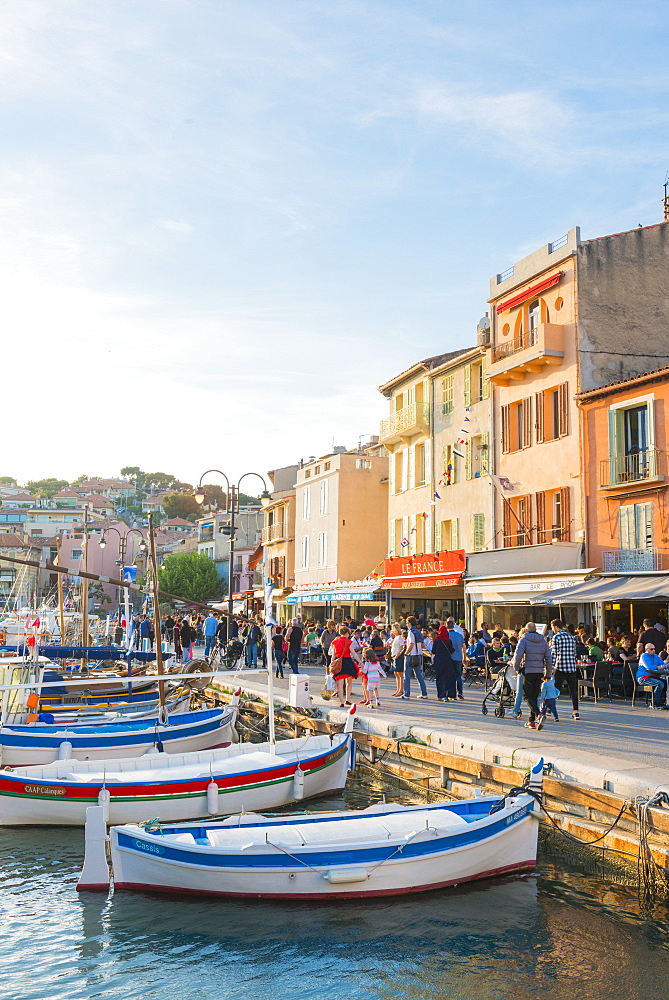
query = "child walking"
x=547 y=701
x=371 y=671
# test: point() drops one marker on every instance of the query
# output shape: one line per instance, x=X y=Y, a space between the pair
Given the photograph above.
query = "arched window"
x=534 y=316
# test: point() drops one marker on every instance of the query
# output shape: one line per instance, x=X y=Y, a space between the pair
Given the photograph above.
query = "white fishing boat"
x=245 y=777
x=381 y=851
x=43 y=743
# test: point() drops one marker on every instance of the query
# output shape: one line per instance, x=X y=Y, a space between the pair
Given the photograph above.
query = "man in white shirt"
x=413 y=659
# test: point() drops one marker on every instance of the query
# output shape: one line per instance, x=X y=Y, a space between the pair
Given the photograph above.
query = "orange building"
x=625 y=427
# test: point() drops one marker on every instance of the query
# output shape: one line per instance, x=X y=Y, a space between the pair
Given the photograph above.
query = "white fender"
x=212 y=798
x=298 y=783
x=104 y=799
x=65 y=750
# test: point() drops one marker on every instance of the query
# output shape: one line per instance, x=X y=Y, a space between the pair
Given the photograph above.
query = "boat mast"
x=269 y=618
x=61 y=611
x=84 y=591
x=156 y=614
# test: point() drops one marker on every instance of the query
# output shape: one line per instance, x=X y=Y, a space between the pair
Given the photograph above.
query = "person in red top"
x=343 y=665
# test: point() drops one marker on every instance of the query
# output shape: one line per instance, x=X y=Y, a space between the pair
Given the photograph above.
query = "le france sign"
x=444 y=569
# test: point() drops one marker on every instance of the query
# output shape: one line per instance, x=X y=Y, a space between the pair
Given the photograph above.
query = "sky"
x=224 y=223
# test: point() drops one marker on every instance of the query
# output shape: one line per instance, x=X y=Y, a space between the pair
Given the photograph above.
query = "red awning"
x=529 y=292
x=255 y=557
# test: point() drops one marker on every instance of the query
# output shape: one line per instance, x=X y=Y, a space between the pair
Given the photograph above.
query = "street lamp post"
x=122 y=544
x=231 y=508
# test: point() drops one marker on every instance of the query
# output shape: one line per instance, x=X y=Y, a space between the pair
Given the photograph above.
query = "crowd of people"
x=544 y=659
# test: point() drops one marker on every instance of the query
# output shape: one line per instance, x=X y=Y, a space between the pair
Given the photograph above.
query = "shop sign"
x=416 y=572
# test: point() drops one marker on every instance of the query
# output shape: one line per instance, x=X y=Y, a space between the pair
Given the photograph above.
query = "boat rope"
x=398 y=850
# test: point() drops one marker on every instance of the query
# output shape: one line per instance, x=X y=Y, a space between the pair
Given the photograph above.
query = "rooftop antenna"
x=666 y=197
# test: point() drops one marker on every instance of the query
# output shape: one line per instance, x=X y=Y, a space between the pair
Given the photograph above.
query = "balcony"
x=529 y=353
x=622 y=470
x=405 y=424
x=631 y=560
x=274 y=533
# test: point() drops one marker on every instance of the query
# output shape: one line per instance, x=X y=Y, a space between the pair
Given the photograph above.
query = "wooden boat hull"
x=431 y=858
x=59 y=794
x=41 y=743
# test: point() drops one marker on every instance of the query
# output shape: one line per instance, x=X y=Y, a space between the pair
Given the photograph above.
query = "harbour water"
x=559 y=933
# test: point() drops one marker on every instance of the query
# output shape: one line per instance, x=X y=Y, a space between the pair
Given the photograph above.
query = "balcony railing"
x=631 y=560
x=526 y=354
x=525 y=340
x=413 y=419
x=623 y=469
x=274 y=532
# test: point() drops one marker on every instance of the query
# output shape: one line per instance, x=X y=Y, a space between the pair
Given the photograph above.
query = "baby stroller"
x=502 y=693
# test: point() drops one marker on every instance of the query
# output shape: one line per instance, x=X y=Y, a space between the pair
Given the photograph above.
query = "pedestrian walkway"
x=611 y=745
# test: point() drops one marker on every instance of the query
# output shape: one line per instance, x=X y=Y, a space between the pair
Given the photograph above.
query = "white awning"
x=653 y=587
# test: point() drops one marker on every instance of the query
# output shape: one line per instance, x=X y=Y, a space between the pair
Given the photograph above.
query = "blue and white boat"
x=381 y=851
x=43 y=743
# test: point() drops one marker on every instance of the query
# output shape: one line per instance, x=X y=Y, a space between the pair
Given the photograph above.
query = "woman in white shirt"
x=397 y=647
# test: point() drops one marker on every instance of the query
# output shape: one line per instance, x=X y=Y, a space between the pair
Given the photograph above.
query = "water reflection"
x=561 y=933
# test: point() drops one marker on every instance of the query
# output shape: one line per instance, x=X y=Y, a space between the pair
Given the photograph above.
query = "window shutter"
x=625 y=521
x=455 y=533
x=411 y=465
x=484 y=381
x=391 y=538
x=506 y=520
x=468 y=384
x=527 y=422
x=392 y=473
x=468 y=460
x=447 y=395
x=485 y=454
x=563 y=409
x=565 y=533
x=477 y=532
x=427 y=460
x=539 y=416
x=437 y=536
x=540 y=501
x=506 y=414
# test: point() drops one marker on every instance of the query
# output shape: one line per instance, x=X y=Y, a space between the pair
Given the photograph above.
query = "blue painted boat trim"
x=114 y=734
x=332 y=856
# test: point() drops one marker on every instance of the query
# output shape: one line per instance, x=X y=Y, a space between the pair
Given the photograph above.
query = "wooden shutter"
x=447 y=395
x=563 y=409
x=540 y=502
x=455 y=533
x=565 y=514
x=539 y=416
x=484 y=381
x=485 y=454
x=506 y=418
x=478 y=532
x=437 y=536
x=626 y=527
x=527 y=422
x=506 y=521
x=427 y=461
x=468 y=460
x=468 y=384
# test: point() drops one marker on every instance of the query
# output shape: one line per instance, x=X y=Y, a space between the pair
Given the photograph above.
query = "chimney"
x=666 y=198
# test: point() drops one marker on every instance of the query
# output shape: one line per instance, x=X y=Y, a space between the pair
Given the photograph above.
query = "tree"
x=181 y=505
x=135 y=473
x=190 y=575
x=46 y=487
x=7 y=481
